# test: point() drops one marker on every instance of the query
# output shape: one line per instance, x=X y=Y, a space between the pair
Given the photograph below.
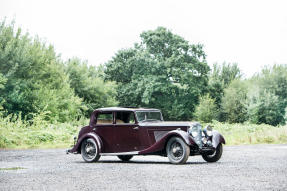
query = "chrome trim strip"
x=123 y=153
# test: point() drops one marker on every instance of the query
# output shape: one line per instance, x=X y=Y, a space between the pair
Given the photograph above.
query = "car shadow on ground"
x=142 y=162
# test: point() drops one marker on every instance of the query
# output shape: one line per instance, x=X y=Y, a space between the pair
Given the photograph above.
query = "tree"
x=220 y=78
x=233 y=106
x=206 y=110
x=88 y=84
x=265 y=108
x=35 y=77
x=163 y=71
x=268 y=95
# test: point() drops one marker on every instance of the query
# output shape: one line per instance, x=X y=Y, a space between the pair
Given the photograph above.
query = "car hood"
x=165 y=124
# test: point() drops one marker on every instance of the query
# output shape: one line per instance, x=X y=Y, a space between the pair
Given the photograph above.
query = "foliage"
x=220 y=78
x=16 y=132
x=265 y=108
x=267 y=95
x=206 y=109
x=35 y=77
x=233 y=106
x=163 y=71
x=88 y=84
x=236 y=134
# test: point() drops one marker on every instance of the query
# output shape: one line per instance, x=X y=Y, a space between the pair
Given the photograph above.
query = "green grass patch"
x=237 y=134
x=12 y=168
x=20 y=134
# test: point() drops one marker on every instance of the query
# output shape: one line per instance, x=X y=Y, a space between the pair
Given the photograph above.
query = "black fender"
x=161 y=143
x=77 y=147
x=217 y=138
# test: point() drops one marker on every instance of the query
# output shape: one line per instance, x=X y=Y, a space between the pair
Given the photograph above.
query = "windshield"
x=148 y=116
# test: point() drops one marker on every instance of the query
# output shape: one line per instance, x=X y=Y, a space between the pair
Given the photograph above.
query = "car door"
x=104 y=127
x=127 y=132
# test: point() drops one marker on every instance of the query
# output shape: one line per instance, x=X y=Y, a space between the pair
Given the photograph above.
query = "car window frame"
x=104 y=124
x=133 y=113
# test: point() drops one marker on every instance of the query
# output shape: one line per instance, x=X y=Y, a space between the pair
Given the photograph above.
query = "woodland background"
x=44 y=99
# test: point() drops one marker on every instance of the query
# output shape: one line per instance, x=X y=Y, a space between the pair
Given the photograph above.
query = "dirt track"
x=259 y=167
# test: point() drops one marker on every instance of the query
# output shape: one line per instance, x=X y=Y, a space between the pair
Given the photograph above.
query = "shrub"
x=206 y=110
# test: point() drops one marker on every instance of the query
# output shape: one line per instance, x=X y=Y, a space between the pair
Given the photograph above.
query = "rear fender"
x=161 y=143
x=217 y=138
x=77 y=147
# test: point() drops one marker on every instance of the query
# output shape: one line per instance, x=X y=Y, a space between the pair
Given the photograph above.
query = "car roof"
x=125 y=109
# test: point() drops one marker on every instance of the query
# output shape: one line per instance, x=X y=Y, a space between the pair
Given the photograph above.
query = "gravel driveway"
x=257 y=167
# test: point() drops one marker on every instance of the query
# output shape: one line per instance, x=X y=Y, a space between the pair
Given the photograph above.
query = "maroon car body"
x=125 y=132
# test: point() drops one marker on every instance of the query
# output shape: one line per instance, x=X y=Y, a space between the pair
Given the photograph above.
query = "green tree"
x=88 y=84
x=206 y=110
x=3 y=81
x=35 y=75
x=268 y=95
x=220 y=78
x=163 y=71
x=234 y=102
x=265 y=108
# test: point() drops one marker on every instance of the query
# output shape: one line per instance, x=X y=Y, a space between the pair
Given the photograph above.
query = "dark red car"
x=125 y=132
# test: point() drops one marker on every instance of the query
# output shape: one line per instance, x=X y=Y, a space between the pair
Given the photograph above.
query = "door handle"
x=136 y=128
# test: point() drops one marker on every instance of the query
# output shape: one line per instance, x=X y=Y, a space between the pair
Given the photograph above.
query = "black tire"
x=177 y=150
x=90 y=150
x=215 y=156
x=125 y=157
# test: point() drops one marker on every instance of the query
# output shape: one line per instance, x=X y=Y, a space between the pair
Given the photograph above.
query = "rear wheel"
x=177 y=150
x=125 y=157
x=90 y=150
x=215 y=156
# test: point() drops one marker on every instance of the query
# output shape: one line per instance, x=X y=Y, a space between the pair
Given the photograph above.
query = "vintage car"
x=125 y=132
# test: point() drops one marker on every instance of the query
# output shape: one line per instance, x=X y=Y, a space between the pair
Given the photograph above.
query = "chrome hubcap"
x=176 y=150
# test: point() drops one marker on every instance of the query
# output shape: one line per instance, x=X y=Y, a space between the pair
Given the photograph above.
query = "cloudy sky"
x=250 y=33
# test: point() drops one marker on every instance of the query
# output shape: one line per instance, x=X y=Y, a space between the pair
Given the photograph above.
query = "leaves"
x=163 y=71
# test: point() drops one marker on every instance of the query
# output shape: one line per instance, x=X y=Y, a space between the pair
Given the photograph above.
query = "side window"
x=125 y=117
x=105 y=118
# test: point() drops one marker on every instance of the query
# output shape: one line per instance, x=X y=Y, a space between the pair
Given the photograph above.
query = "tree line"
x=162 y=71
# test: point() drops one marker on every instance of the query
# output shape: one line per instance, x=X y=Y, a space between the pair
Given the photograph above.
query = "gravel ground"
x=256 y=167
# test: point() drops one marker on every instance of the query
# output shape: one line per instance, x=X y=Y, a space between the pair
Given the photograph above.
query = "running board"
x=116 y=154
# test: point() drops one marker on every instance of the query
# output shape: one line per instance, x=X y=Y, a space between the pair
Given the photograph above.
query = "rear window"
x=105 y=118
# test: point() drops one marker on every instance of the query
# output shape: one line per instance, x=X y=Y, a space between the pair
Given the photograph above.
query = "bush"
x=265 y=108
x=206 y=110
x=233 y=106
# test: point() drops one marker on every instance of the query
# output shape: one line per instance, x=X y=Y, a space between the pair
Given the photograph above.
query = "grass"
x=238 y=134
x=12 y=168
x=16 y=133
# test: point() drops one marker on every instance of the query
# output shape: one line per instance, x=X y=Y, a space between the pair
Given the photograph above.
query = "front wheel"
x=215 y=156
x=90 y=150
x=177 y=150
x=125 y=157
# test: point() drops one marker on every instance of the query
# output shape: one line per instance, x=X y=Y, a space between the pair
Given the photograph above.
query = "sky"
x=252 y=34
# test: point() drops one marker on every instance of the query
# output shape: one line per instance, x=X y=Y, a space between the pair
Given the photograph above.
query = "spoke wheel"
x=90 y=150
x=214 y=156
x=125 y=157
x=177 y=150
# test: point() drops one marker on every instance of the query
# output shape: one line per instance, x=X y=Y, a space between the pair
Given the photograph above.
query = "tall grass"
x=37 y=133
x=236 y=134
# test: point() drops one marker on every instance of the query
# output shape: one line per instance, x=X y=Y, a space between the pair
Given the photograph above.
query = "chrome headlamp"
x=193 y=131
x=208 y=130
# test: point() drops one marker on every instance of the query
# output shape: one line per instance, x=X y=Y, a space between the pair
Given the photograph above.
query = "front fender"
x=161 y=143
x=217 y=138
x=77 y=147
